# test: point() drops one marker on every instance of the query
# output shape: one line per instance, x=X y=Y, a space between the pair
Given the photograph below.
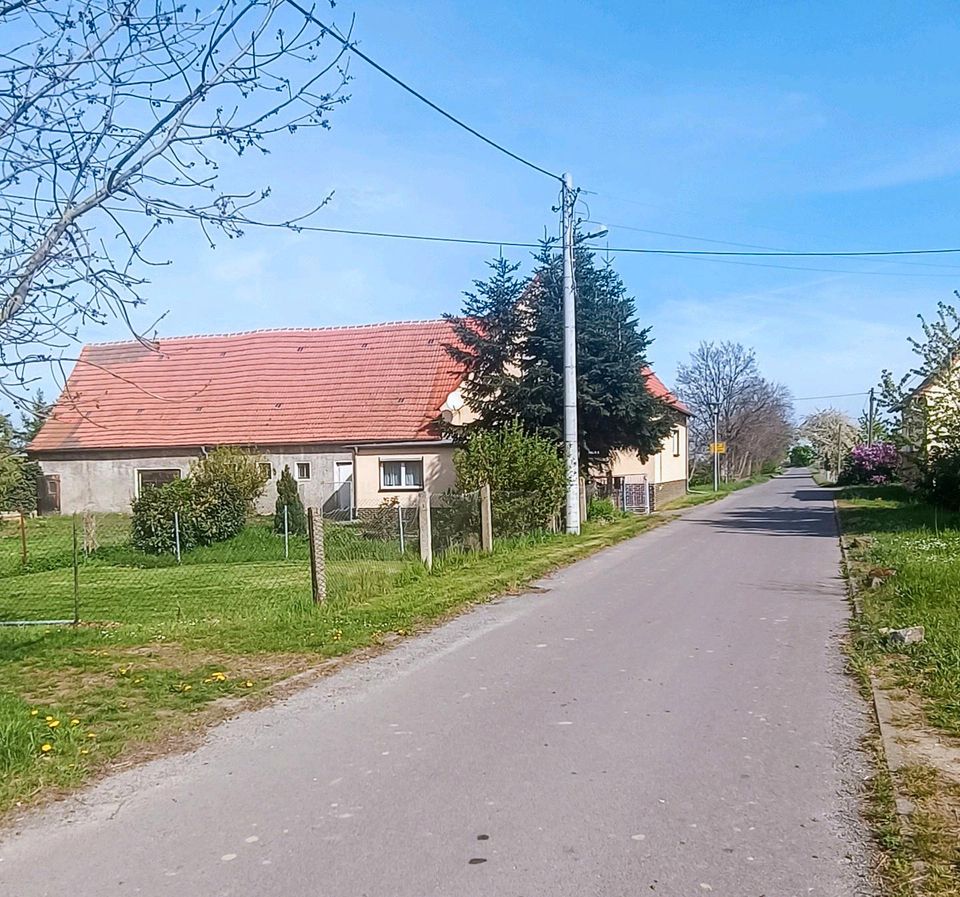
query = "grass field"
x=76 y=699
x=914 y=549
x=245 y=577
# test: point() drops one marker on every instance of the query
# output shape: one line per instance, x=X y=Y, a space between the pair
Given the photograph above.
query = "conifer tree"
x=289 y=496
x=511 y=332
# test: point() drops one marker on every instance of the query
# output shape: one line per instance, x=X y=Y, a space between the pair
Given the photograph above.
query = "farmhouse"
x=352 y=411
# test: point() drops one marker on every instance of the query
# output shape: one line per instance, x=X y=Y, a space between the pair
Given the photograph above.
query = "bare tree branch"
x=115 y=119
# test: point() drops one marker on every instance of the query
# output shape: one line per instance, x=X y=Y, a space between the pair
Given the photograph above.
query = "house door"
x=343 y=484
x=48 y=501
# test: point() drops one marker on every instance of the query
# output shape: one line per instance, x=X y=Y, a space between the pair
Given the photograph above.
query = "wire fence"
x=88 y=567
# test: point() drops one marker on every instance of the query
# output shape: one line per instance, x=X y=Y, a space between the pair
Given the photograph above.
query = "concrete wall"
x=108 y=481
x=438 y=473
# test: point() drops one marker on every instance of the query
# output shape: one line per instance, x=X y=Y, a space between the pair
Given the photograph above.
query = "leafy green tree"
x=288 y=495
x=525 y=473
x=802 y=456
x=511 y=335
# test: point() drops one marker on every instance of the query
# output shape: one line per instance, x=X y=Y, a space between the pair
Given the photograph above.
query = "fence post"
x=426 y=536
x=583 y=499
x=318 y=571
x=286 y=534
x=23 y=539
x=623 y=494
x=486 y=519
x=76 y=575
x=176 y=534
x=400 y=526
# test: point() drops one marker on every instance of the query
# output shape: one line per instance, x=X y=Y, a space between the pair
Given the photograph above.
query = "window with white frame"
x=401 y=473
x=676 y=443
x=303 y=470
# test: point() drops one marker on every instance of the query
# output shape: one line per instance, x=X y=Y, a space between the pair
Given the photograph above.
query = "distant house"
x=352 y=411
x=926 y=411
x=667 y=470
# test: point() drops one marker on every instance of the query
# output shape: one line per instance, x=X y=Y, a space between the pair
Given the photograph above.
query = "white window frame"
x=416 y=459
x=309 y=467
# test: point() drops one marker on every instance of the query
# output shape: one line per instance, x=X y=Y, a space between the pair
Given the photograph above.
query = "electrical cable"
x=841 y=395
x=353 y=49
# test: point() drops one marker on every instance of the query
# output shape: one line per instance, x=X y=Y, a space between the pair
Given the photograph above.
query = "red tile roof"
x=658 y=388
x=370 y=383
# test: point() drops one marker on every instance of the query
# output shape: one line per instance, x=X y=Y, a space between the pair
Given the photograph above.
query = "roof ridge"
x=330 y=327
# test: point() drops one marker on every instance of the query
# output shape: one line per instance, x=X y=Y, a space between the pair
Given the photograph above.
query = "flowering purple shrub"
x=874 y=464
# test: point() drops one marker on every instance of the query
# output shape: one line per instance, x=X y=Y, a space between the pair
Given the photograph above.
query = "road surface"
x=670 y=716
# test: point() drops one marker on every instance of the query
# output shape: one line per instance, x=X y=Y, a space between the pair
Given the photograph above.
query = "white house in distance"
x=352 y=411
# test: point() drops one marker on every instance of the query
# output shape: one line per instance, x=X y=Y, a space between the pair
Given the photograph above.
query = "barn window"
x=148 y=478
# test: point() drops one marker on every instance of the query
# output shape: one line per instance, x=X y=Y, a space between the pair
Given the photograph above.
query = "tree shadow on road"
x=788 y=521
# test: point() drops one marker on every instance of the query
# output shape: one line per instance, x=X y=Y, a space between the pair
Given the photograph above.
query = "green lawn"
x=171 y=641
x=920 y=544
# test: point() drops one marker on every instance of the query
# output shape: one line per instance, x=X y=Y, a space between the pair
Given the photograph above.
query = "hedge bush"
x=525 y=473
x=940 y=481
x=209 y=512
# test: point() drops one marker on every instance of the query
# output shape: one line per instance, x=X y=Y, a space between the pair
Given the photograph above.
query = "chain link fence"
x=87 y=567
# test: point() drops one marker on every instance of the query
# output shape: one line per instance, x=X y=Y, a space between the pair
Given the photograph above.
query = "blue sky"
x=790 y=125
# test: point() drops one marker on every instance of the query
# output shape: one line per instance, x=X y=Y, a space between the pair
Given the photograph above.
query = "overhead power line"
x=840 y=395
x=460 y=123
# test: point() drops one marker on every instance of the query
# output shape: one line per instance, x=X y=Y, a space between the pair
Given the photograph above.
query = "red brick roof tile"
x=378 y=382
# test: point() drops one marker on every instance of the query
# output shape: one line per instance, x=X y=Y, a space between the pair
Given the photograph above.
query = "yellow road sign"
x=718 y=448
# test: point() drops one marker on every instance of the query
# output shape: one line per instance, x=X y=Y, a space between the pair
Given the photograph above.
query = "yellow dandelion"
x=219 y=677
x=74 y=722
x=34 y=712
x=46 y=748
x=248 y=684
x=186 y=687
x=53 y=723
x=91 y=734
x=48 y=718
x=84 y=751
x=137 y=681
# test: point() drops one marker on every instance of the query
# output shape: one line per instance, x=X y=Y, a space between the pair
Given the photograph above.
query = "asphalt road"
x=671 y=716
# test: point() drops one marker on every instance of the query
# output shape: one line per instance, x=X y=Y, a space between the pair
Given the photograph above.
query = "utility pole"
x=570 y=427
x=715 y=411
x=871 y=417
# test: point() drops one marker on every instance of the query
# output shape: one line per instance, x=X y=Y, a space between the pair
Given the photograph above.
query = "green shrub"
x=208 y=512
x=19 y=479
x=288 y=496
x=525 y=473
x=233 y=466
x=601 y=509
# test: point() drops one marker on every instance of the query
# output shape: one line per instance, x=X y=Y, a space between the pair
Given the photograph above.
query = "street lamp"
x=714 y=409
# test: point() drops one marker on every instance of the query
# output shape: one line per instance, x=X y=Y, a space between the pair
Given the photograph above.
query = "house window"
x=149 y=478
x=266 y=469
x=401 y=474
x=676 y=443
x=303 y=470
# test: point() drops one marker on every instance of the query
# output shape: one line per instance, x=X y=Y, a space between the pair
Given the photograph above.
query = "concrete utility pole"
x=570 y=427
x=839 y=449
x=871 y=417
x=715 y=411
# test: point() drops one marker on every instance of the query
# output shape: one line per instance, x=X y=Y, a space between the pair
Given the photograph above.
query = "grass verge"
x=903 y=559
x=698 y=497
x=75 y=701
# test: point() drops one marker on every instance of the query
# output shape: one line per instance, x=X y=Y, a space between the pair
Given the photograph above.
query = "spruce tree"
x=289 y=496
x=512 y=332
